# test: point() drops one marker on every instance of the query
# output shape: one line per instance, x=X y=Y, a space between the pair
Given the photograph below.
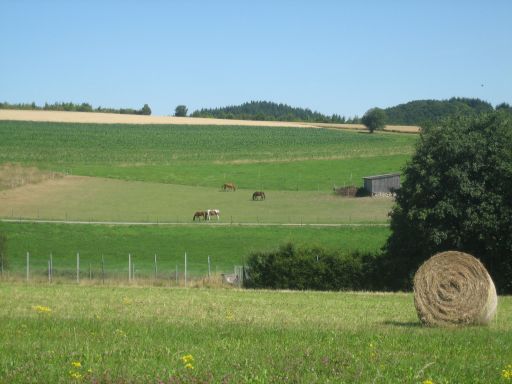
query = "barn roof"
x=384 y=176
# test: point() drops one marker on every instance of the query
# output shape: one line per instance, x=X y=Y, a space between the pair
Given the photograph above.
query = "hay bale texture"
x=454 y=288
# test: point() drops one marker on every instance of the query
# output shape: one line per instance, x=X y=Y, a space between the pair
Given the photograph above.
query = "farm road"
x=191 y=224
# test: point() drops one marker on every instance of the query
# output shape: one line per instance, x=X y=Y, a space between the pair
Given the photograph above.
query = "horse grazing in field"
x=258 y=194
x=200 y=214
x=229 y=187
x=213 y=212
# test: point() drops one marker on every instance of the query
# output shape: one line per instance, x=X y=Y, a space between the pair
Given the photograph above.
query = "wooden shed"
x=382 y=184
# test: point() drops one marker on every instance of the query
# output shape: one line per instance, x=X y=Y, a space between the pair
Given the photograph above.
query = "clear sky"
x=339 y=57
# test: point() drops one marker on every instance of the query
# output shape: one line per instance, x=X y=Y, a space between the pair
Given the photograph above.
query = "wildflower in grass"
x=76 y=364
x=127 y=301
x=189 y=366
x=187 y=359
x=507 y=372
x=41 y=309
x=120 y=333
x=75 y=375
x=428 y=381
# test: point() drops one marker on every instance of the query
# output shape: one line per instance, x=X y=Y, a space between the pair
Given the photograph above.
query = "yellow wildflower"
x=76 y=364
x=187 y=359
x=41 y=309
x=189 y=366
x=75 y=375
x=428 y=381
x=507 y=372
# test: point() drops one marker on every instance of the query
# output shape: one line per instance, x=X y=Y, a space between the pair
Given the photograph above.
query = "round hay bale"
x=454 y=288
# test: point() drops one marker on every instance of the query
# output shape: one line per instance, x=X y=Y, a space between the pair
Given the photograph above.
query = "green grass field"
x=268 y=158
x=68 y=334
x=98 y=199
x=226 y=246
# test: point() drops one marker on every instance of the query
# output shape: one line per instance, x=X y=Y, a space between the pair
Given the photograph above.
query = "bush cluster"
x=303 y=268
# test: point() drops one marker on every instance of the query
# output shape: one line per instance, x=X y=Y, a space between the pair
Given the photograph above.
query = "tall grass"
x=63 y=334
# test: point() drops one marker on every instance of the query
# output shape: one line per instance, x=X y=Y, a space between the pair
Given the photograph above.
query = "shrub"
x=314 y=268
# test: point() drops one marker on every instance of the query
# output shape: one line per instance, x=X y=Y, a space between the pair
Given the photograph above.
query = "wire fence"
x=134 y=271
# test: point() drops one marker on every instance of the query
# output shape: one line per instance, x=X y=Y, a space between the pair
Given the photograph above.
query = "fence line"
x=40 y=270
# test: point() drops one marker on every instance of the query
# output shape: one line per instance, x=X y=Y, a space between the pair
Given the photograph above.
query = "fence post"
x=156 y=268
x=129 y=267
x=78 y=267
x=185 y=269
x=102 y=270
x=49 y=273
x=51 y=266
x=28 y=266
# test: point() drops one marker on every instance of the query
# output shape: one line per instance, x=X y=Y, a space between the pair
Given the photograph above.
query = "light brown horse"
x=200 y=214
x=229 y=187
x=258 y=194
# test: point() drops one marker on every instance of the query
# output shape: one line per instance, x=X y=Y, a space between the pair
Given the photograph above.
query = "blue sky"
x=339 y=57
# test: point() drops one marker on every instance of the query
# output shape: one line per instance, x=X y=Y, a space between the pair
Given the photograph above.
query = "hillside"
x=269 y=111
x=420 y=112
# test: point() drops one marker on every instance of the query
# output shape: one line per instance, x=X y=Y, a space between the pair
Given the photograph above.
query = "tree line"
x=72 y=107
x=270 y=111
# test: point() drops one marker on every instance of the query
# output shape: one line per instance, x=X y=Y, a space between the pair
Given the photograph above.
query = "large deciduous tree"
x=181 y=111
x=374 y=119
x=457 y=195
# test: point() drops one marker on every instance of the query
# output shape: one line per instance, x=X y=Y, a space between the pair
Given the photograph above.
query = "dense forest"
x=420 y=112
x=269 y=111
x=84 y=107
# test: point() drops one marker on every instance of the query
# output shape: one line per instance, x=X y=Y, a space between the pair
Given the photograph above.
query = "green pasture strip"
x=252 y=157
x=305 y=175
x=63 y=334
x=227 y=246
x=98 y=199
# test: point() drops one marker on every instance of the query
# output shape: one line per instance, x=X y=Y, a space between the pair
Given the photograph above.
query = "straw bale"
x=454 y=288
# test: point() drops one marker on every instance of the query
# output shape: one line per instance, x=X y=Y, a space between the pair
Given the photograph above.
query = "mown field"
x=226 y=246
x=66 y=333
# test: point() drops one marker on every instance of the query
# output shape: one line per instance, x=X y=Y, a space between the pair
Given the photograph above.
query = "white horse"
x=213 y=212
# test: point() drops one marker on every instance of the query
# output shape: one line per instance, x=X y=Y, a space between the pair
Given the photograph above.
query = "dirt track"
x=113 y=118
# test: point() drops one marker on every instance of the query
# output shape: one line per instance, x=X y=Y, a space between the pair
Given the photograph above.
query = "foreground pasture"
x=62 y=334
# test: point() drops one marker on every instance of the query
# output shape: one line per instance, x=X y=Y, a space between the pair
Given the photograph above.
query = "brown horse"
x=258 y=194
x=229 y=187
x=200 y=214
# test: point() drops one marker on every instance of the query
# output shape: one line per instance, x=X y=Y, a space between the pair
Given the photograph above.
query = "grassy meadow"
x=68 y=333
x=226 y=246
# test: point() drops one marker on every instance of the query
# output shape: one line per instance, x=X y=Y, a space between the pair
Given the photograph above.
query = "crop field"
x=66 y=333
x=271 y=158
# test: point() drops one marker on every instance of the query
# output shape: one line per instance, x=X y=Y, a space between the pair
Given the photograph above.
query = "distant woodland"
x=419 y=112
x=71 y=107
x=269 y=111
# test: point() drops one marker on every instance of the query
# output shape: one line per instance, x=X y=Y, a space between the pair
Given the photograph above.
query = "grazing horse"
x=258 y=194
x=213 y=212
x=229 y=186
x=200 y=214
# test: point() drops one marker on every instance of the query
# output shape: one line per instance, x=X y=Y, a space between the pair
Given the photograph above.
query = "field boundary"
x=199 y=224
